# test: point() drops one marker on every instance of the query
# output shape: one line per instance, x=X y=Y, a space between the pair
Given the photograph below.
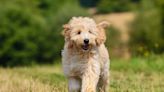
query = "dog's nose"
x=86 y=41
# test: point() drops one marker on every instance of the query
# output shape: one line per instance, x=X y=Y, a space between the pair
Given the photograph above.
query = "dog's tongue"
x=85 y=46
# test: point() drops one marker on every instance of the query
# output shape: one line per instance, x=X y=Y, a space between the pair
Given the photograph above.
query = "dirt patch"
x=121 y=22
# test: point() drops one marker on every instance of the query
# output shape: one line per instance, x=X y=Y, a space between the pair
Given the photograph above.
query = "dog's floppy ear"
x=66 y=34
x=104 y=24
x=101 y=38
x=66 y=31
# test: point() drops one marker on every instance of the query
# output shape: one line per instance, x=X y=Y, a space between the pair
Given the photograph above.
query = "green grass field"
x=135 y=75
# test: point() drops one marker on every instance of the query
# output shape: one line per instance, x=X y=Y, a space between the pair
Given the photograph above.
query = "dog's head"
x=84 y=33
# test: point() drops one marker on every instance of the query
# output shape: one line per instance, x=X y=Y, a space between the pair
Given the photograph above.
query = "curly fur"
x=86 y=70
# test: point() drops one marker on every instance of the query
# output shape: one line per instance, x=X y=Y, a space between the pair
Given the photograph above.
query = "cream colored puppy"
x=85 y=58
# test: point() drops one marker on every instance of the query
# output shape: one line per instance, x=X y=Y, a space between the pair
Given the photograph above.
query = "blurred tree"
x=107 y=6
x=146 y=35
x=89 y=3
x=160 y=4
x=30 y=30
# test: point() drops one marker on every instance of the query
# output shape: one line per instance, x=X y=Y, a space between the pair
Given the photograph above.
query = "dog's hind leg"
x=74 y=84
x=103 y=84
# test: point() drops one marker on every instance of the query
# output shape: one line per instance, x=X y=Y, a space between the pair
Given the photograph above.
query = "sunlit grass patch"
x=135 y=75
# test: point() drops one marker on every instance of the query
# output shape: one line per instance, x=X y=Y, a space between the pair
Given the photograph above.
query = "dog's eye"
x=79 y=32
x=90 y=31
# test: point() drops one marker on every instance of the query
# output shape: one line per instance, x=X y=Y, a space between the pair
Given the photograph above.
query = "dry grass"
x=137 y=82
x=14 y=82
x=28 y=80
x=137 y=75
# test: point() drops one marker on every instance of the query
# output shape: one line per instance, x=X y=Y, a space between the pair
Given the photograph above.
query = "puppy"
x=85 y=59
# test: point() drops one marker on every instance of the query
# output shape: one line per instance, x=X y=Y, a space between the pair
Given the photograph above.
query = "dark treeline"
x=30 y=30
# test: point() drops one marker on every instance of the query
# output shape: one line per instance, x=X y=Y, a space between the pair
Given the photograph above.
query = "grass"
x=135 y=75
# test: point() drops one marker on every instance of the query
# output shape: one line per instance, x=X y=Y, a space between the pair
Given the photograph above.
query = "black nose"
x=86 y=41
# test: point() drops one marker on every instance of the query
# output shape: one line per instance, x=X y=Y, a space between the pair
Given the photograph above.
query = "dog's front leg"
x=90 y=80
x=73 y=84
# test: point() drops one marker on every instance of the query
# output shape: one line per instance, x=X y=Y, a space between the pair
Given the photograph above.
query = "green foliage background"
x=108 y=6
x=147 y=34
x=147 y=30
x=30 y=30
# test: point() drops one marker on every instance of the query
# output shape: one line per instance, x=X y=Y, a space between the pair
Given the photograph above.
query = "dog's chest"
x=76 y=65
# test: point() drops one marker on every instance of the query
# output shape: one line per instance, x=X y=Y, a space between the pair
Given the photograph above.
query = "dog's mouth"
x=85 y=46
